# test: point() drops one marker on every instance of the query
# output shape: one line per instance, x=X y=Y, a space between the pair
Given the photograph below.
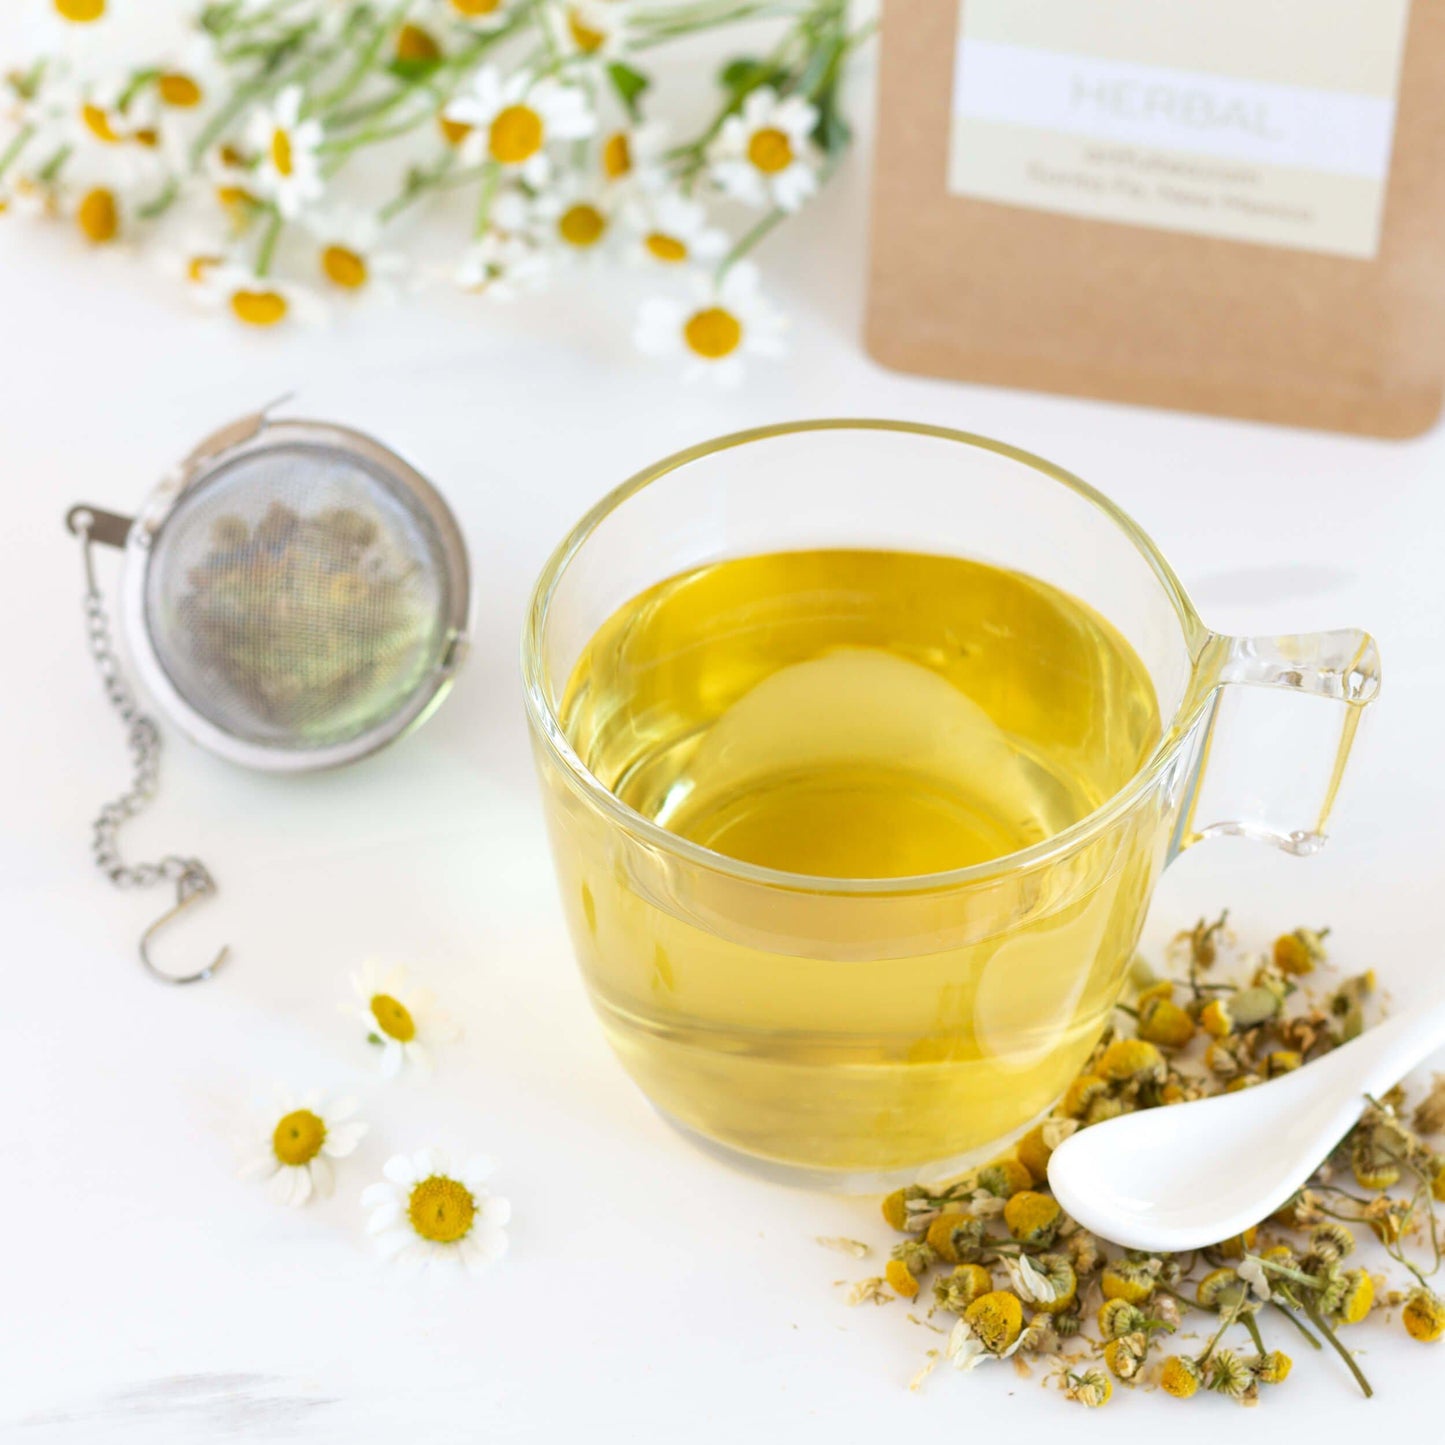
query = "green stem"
x=1298 y=1323
x=751 y=239
x=267 y=248
x=18 y=142
x=1318 y=1321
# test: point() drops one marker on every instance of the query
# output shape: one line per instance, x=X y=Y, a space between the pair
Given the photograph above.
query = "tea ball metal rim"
x=267 y=435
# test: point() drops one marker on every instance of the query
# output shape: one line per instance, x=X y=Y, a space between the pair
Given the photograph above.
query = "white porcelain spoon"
x=1181 y=1177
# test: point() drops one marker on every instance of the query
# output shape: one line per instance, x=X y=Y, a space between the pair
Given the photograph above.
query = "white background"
x=145 y=1293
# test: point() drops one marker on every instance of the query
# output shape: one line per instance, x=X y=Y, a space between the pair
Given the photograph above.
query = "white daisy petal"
x=401 y=1170
x=342 y=1139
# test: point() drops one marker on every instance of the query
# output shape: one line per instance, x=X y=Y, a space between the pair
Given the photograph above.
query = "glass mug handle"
x=1278 y=735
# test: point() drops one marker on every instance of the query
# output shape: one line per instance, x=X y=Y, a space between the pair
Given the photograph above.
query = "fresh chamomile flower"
x=763 y=156
x=187 y=88
x=514 y=119
x=260 y=302
x=403 y=1020
x=632 y=157
x=232 y=178
x=429 y=1212
x=75 y=29
x=290 y=169
x=295 y=1143
x=501 y=264
x=100 y=214
x=716 y=329
x=673 y=230
x=577 y=216
x=481 y=15
x=595 y=29
x=198 y=254
x=349 y=257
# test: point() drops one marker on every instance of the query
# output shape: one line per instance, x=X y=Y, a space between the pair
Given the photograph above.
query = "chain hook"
x=194 y=883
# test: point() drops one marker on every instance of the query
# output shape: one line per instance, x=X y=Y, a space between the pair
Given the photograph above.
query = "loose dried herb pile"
x=300 y=615
x=1026 y=1282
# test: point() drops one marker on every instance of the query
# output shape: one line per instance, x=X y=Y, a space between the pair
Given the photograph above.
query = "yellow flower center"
x=616 y=156
x=414 y=43
x=584 y=37
x=441 y=1209
x=582 y=225
x=516 y=135
x=474 y=8
x=770 y=150
x=198 y=267
x=299 y=1137
x=262 y=307
x=281 y=156
x=346 y=268
x=234 y=198
x=98 y=216
x=80 y=12
x=665 y=248
x=393 y=1018
x=178 y=90
x=97 y=122
x=147 y=136
x=713 y=333
x=454 y=131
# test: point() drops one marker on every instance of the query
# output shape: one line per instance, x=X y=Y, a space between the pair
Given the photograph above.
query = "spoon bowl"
x=1189 y=1175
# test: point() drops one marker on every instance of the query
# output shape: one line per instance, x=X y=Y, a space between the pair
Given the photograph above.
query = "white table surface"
x=145 y=1293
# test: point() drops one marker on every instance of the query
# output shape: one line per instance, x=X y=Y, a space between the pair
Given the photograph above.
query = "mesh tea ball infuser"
x=293 y=596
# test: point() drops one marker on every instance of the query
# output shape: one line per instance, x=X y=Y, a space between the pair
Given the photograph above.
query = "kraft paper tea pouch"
x=1225 y=207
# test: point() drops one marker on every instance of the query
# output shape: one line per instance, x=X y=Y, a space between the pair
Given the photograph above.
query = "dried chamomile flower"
x=1090 y=1387
x=1349 y=1298
x=1330 y=1242
x=1180 y=1376
x=955 y=1236
x=1129 y=1279
x=956 y=1291
x=1236 y=1245
x=1004 y=1178
x=1163 y=1022
x=995 y=1319
x=1230 y=1375
x=902 y=1279
x=1048 y=1281
x=1272 y=1368
x=1035 y=1148
x=1219 y=1289
x=1125 y=1355
x=1032 y=1218
x=1127 y=1059
x=1084 y=1252
x=1373 y=1167
x=1424 y=1315
x=1216 y=1019
x=1430 y=1112
x=1117 y=1317
x=1297 y=953
x=916 y=1254
x=1081 y=1095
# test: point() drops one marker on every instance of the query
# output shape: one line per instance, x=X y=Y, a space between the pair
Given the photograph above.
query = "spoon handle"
x=1399 y=1045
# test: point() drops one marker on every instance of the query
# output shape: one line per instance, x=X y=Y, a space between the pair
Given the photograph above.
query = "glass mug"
x=858 y=1031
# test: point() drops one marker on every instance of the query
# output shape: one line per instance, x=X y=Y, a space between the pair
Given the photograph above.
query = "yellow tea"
x=857 y=715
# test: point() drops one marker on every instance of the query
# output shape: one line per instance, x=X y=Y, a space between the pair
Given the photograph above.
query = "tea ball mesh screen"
x=298 y=598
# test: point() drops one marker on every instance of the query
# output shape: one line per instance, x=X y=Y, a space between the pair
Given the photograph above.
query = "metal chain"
x=144 y=740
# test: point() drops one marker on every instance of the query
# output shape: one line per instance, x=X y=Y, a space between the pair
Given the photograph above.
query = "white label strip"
x=1336 y=132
